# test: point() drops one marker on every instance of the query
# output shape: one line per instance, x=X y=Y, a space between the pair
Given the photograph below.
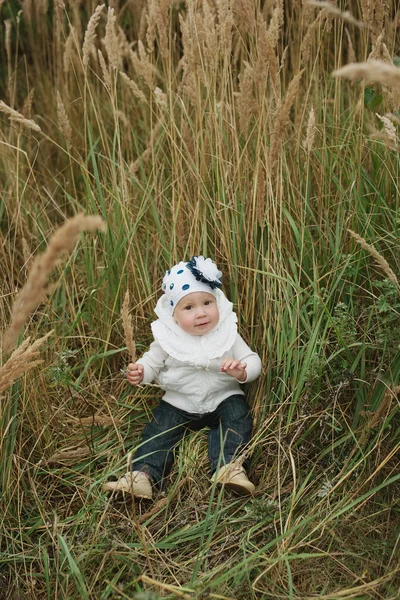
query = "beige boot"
x=234 y=477
x=133 y=482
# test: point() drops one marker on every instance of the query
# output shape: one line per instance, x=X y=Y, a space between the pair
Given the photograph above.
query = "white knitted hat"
x=198 y=275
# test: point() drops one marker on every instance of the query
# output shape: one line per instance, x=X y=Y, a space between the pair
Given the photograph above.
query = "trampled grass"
x=234 y=129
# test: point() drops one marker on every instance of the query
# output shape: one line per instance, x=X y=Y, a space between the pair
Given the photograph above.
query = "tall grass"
x=211 y=127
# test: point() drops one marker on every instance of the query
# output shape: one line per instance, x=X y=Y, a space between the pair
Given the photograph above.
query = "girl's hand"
x=134 y=373
x=234 y=368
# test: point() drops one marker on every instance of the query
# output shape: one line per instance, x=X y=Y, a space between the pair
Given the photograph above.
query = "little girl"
x=199 y=360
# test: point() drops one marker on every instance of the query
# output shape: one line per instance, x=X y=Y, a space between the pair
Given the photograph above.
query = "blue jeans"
x=230 y=430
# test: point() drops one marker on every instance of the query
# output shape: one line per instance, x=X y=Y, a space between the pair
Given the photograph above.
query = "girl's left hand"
x=234 y=368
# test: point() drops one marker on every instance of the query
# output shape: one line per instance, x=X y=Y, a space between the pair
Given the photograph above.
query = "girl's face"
x=197 y=313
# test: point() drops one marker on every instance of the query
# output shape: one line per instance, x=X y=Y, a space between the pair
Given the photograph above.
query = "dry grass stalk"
x=351 y=55
x=381 y=261
x=111 y=41
x=393 y=118
x=163 y=502
x=332 y=10
x=105 y=70
x=121 y=116
x=225 y=25
x=26 y=253
x=306 y=43
x=160 y=98
x=271 y=44
x=36 y=288
x=27 y=106
x=26 y=9
x=69 y=50
x=244 y=13
x=373 y=14
x=133 y=87
x=142 y=65
x=311 y=130
x=128 y=329
x=374 y=70
x=282 y=119
x=383 y=409
x=380 y=51
x=157 y=22
x=246 y=104
x=96 y=420
x=69 y=455
x=260 y=196
x=63 y=121
x=210 y=45
x=90 y=35
x=143 y=158
x=24 y=358
x=389 y=128
x=18 y=117
x=266 y=55
x=7 y=43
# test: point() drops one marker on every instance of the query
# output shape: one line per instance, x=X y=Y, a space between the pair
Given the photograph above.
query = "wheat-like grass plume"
x=282 y=119
x=128 y=329
x=380 y=51
x=310 y=136
x=24 y=358
x=336 y=12
x=381 y=261
x=90 y=35
x=389 y=128
x=374 y=70
x=17 y=117
x=36 y=288
x=110 y=40
x=7 y=43
x=133 y=87
x=105 y=70
x=27 y=106
x=69 y=455
x=246 y=104
x=63 y=121
x=351 y=55
x=69 y=49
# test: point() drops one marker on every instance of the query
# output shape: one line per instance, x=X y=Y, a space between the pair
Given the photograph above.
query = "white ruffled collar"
x=195 y=348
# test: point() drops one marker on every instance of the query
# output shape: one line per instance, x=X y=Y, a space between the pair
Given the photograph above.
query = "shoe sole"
x=238 y=489
x=123 y=492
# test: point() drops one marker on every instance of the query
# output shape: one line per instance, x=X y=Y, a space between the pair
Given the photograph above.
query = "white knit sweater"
x=187 y=367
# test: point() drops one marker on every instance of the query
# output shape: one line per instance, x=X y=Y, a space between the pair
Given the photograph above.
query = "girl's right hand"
x=134 y=373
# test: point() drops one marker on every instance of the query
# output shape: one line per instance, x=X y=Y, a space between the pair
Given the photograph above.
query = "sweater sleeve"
x=153 y=361
x=242 y=352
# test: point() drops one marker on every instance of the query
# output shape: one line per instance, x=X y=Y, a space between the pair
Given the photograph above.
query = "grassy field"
x=217 y=127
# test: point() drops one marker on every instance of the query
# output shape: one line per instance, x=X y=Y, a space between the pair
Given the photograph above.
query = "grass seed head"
x=90 y=35
x=63 y=121
x=24 y=358
x=36 y=288
x=373 y=70
x=18 y=117
x=111 y=41
x=128 y=329
x=380 y=260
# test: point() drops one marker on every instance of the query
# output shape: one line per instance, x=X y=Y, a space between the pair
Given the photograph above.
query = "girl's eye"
x=207 y=302
x=188 y=307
